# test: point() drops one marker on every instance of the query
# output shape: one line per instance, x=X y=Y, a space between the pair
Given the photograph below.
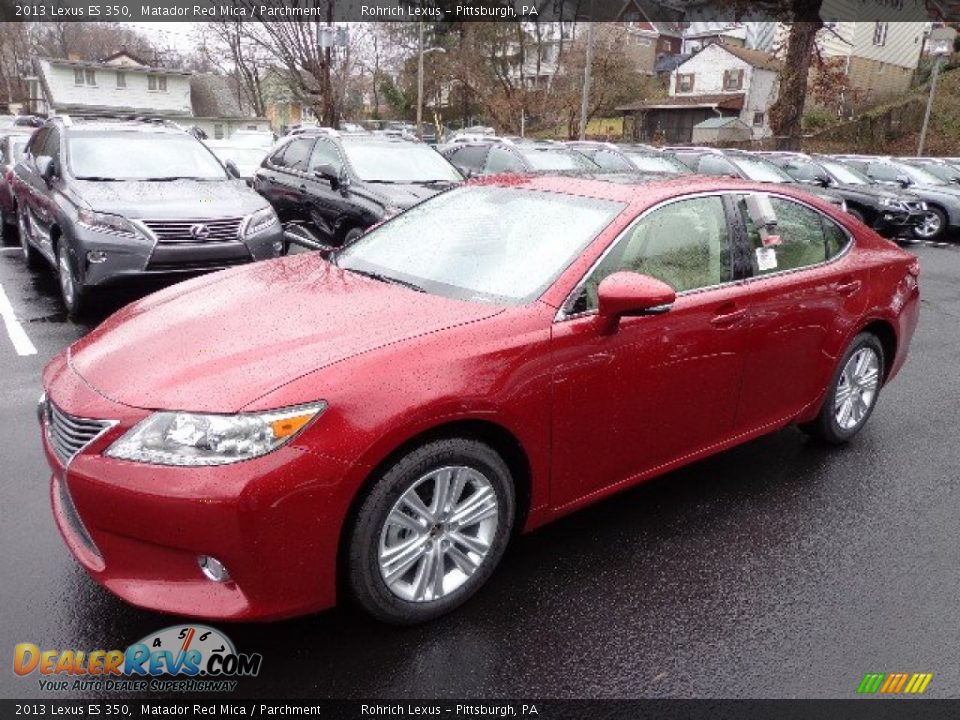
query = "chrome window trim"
x=562 y=315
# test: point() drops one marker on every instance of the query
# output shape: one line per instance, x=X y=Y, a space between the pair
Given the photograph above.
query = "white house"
x=719 y=81
x=880 y=57
x=124 y=85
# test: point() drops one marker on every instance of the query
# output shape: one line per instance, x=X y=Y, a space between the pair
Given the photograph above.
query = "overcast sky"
x=179 y=35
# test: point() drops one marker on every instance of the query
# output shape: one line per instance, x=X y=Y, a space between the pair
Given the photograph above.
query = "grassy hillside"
x=943 y=137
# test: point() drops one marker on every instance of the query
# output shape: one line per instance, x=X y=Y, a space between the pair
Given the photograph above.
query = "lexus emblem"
x=199 y=231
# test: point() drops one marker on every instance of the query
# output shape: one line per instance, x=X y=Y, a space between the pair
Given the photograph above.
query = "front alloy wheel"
x=71 y=291
x=430 y=531
x=30 y=256
x=932 y=225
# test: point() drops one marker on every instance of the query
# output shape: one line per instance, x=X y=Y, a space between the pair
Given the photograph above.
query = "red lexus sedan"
x=260 y=441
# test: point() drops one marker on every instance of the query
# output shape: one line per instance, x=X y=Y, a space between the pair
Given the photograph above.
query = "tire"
x=840 y=419
x=30 y=255
x=413 y=593
x=856 y=213
x=934 y=224
x=351 y=235
x=75 y=297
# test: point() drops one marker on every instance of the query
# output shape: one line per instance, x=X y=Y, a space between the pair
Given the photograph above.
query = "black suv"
x=942 y=197
x=517 y=156
x=339 y=185
x=103 y=201
x=889 y=212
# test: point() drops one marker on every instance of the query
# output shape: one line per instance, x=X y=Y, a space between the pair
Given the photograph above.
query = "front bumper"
x=138 y=529
x=891 y=222
x=126 y=258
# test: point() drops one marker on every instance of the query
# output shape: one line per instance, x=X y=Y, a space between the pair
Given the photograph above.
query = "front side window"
x=760 y=170
x=686 y=244
x=470 y=158
x=559 y=159
x=716 y=165
x=141 y=156
x=845 y=174
x=297 y=153
x=803 y=171
x=91 y=77
x=482 y=243
x=658 y=163
x=324 y=153
x=802 y=237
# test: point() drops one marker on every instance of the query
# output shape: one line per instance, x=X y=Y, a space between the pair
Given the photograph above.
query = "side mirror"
x=336 y=178
x=904 y=181
x=629 y=294
x=299 y=236
x=821 y=180
x=47 y=168
x=232 y=169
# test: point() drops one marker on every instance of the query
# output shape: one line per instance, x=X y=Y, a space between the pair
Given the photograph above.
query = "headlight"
x=260 y=220
x=180 y=438
x=891 y=202
x=105 y=222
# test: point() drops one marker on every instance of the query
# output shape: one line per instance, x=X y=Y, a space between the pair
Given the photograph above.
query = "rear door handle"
x=728 y=319
x=849 y=287
x=302 y=188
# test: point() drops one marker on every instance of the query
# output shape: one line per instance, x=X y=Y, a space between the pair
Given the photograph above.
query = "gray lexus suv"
x=107 y=201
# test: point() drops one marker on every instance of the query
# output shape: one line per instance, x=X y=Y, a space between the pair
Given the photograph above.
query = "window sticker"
x=766 y=259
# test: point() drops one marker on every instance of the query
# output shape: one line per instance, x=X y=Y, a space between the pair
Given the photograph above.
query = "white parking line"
x=18 y=336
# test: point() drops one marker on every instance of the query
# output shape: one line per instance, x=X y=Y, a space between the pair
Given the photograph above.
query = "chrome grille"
x=69 y=435
x=177 y=231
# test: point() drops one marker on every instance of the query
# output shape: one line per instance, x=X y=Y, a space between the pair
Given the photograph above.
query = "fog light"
x=212 y=568
x=277 y=247
x=96 y=256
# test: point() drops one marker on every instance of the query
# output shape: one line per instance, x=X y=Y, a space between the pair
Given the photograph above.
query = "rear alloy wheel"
x=431 y=531
x=853 y=393
x=932 y=225
x=71 y=291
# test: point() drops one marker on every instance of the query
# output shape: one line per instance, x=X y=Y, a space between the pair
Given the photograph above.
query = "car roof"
x=123 y=126
x=643 y=193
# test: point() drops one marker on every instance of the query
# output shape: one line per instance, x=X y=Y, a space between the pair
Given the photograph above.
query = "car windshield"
x=402 y=162
x=658 y=163
x=944 y=172
x=761 y=170
x=252 y=139
x=920 y=177
x=240 y=155
x=141 y=156
x=546 y=159
x=487 y=244
x=846 y=175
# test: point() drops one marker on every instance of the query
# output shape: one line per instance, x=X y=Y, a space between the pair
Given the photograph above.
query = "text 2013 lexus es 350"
x=260 y=442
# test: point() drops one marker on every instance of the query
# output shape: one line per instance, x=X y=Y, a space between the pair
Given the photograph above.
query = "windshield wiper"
x=431 y=182
x=387 y=279
x=96 y=178
x=383 y=182
x=170 y=178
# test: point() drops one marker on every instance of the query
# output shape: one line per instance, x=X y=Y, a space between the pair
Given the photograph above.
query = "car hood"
x=176 y=199
x=941 y=191
x=405 y=195
x=873 y=192
x=217 y=343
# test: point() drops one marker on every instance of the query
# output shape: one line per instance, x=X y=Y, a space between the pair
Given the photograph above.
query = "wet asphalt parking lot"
x=778 y=569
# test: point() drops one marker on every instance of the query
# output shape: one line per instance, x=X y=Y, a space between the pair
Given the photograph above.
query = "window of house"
x=162 y=83
x=151 y=82
x=733 y=79
x=78 y=76
x=880 y=33
x=685 y=82
x=91 y=76
x=218 y=131
x=643 y=41
x=121 y=79
x=758 y=118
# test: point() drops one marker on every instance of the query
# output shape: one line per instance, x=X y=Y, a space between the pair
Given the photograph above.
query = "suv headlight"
x=891 y=202
x=260 y=221
x=194 y=439
x=107 y=223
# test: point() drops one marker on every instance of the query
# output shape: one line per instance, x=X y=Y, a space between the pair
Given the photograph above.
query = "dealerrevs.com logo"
x=182 y=658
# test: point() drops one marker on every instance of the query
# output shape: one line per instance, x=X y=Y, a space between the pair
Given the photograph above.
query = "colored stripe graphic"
x=894 y=683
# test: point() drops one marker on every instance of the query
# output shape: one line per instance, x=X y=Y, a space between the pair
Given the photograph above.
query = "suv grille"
x=915 y=207
x=178 y=231
x=69 y=435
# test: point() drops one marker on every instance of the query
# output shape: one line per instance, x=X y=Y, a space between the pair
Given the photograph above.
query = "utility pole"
x=587 y=72
x=940 y=44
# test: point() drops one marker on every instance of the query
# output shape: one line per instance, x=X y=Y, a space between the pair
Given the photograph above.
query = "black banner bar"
x=856 y=709
x=323 y=11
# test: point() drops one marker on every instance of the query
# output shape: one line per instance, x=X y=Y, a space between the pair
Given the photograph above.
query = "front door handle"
x=849 y=287
x=728 y=319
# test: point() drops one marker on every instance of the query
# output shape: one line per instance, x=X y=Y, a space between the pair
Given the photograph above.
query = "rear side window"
x=802 y=238
x=882 y=171
x=470 y=158
x=610 y=160
x=295 y=155
x=803 y=171
x=714 y=165
x=500 y=160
